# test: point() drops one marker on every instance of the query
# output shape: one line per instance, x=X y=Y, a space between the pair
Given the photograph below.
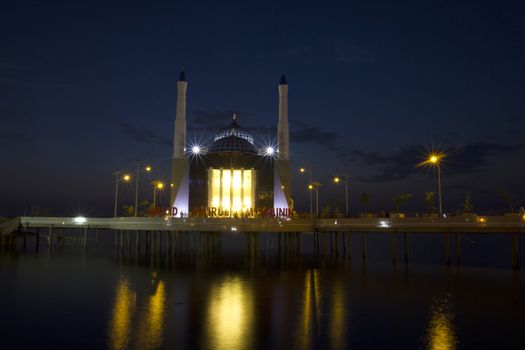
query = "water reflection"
x=122 y=315
x=441 y=334
x=338 y=317
x=150 y=334
x=309 y=326
x=230 y=314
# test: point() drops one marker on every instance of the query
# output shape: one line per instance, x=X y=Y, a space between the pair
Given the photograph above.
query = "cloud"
x=212 y=121
x=475 y=157
x=144 y=135
x=301 y=132
x=471 y=158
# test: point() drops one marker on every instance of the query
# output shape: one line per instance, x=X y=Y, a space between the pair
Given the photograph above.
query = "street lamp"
x=118 y=177
x=157 y=185
x=337 y=180
x=308 y=169
x=148 y=169
x=311 y=186
x=434 y=160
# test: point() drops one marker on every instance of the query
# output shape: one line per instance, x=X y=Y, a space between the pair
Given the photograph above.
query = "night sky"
x=86 y=88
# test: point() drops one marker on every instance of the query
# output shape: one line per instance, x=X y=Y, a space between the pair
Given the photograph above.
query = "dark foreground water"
x=71 y=299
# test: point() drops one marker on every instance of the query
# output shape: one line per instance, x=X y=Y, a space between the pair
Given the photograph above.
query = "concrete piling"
x=363 y=245
x=458 y=249
x=514 y=251
x=446 y=240
x=394 y=247
x=405 y=245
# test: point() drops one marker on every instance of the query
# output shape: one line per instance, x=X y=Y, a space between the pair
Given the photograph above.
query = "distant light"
x=234 y=228
x=148 y=168
x=126 y=177
x=282 y=187
x=160 y=185
x=79 y=220
x=337 y=179
x=270 y=151
x=196 y=149
x=335 y=222
x=310 y=187
x=384 y=224
x=171 y=185
x=482 y=220
x=302 y=170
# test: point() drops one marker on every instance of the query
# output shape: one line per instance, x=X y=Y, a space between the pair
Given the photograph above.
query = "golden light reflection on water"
x=338 y=319
x=150 y=333
x=441 y=334
x=230 y=315
x=122 y=315
x=311 y=309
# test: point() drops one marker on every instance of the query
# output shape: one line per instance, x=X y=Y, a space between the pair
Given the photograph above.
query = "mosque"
x=231 y=177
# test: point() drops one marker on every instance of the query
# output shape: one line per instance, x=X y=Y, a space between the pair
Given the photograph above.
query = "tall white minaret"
x=281 y=194
x=179 y=164
x=282 y=127
x=179 y=138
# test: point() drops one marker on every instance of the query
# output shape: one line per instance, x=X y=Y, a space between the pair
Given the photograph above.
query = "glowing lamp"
x=79 y=220
x=196 y=150
x=126 y=177
x=270 y=151
x=160 y=185
x=337 y=179
x=148 y=168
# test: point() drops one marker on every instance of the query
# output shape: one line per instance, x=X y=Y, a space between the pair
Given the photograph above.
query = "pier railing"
x=459 y=224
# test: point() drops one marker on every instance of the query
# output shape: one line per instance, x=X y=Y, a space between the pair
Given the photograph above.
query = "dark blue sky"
x=86 y=87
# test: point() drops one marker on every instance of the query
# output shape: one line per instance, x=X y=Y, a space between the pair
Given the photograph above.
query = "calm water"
x=71 y=299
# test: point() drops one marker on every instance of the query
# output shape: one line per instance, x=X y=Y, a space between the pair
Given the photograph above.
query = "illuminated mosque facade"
x=232 y=177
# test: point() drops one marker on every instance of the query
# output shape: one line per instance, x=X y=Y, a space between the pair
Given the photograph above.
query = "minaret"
x=282 y=173
x=282 y=127
x=179 y=164
x=179 y=138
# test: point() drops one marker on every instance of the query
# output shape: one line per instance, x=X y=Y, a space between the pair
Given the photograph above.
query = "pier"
x=203 y=236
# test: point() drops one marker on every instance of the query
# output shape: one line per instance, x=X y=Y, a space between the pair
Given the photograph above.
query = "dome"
x=232 y=144
x=234 y=139
x=234 y=130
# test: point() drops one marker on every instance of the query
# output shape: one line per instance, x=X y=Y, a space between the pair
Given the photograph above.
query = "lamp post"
x=311 y=186
x=126 y=178
x=148 y=169
x=308 y=169
x=157 y=185
x=337 y=180
x=434 y=160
